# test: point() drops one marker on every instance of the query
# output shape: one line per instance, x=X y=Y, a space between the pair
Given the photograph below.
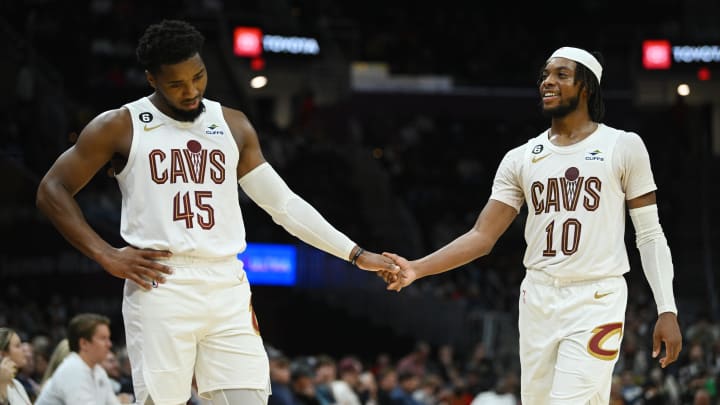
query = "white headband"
x=580 y=56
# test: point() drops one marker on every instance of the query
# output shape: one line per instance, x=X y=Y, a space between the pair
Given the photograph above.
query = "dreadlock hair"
x=167 y=43
x=596 y=104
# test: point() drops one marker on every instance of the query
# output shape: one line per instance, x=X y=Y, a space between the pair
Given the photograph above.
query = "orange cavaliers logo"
x=600 y=335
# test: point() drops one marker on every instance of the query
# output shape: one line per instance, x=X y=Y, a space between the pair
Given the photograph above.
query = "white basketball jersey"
x=179 y=186
x=575 y=196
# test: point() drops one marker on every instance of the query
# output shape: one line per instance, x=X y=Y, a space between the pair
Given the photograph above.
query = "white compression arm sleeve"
x=655 y=256
x=269 y=191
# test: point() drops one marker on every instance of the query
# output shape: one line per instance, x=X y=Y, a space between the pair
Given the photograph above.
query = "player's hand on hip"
x=667 y=332
x=404 y=277
x=374 y=262
x=138 y=265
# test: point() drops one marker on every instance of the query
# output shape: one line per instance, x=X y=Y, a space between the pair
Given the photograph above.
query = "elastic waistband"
x=180 y=260
x=542 y=277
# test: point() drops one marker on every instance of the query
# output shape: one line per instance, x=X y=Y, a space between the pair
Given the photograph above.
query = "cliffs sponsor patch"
x=214 y=130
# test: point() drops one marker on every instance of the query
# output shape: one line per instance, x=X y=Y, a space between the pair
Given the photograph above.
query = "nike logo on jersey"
x=148 y=129
x=598 y=295
x=536 y=159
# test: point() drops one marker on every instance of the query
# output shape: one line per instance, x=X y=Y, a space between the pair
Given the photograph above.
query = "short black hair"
x=167 y=43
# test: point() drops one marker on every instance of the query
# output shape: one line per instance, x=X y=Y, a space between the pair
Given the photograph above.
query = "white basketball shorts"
x=199 y=323
x=570 y=336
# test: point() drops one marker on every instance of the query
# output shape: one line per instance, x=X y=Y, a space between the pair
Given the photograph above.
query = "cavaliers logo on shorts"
x=600 y=335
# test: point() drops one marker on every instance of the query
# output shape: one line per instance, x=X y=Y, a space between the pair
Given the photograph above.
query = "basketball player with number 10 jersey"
x=575 y=255
x=577 y=179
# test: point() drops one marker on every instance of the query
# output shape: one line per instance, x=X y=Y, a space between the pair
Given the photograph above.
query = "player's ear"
x=584 y=90
x=150 y=79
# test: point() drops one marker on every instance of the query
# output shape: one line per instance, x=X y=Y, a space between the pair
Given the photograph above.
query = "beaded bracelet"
x=356 y=256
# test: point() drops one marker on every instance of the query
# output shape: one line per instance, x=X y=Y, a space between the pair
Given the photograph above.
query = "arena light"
x=291 y=45
x=247 y=42
x=660 y=54
x=696 y=53
x=258 y=82
x=257 y=63
x=251 y=42
x=683 y=90
x=704 y=74
x=656 y=54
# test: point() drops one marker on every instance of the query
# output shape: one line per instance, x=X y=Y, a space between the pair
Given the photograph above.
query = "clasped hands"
x=403 y=275
x=395 y=270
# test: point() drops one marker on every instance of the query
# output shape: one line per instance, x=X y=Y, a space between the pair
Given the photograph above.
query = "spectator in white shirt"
x=344 y=387
x=505 y=392
x=80 y=379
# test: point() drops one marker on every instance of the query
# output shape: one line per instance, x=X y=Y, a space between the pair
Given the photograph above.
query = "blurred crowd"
x=423 y=374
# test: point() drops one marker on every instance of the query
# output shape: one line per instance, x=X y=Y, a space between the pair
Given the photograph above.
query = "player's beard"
x=562 y=110
x=180 y=114
x=187 y=115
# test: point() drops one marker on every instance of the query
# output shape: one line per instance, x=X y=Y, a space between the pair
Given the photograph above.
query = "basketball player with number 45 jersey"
x=178 y=159
x=577 y=178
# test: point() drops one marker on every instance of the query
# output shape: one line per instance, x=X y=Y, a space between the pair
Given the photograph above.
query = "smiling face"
x=559 y=90
x=179 y=88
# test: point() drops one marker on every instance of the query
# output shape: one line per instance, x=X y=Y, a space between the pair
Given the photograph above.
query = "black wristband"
x=356 y=256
